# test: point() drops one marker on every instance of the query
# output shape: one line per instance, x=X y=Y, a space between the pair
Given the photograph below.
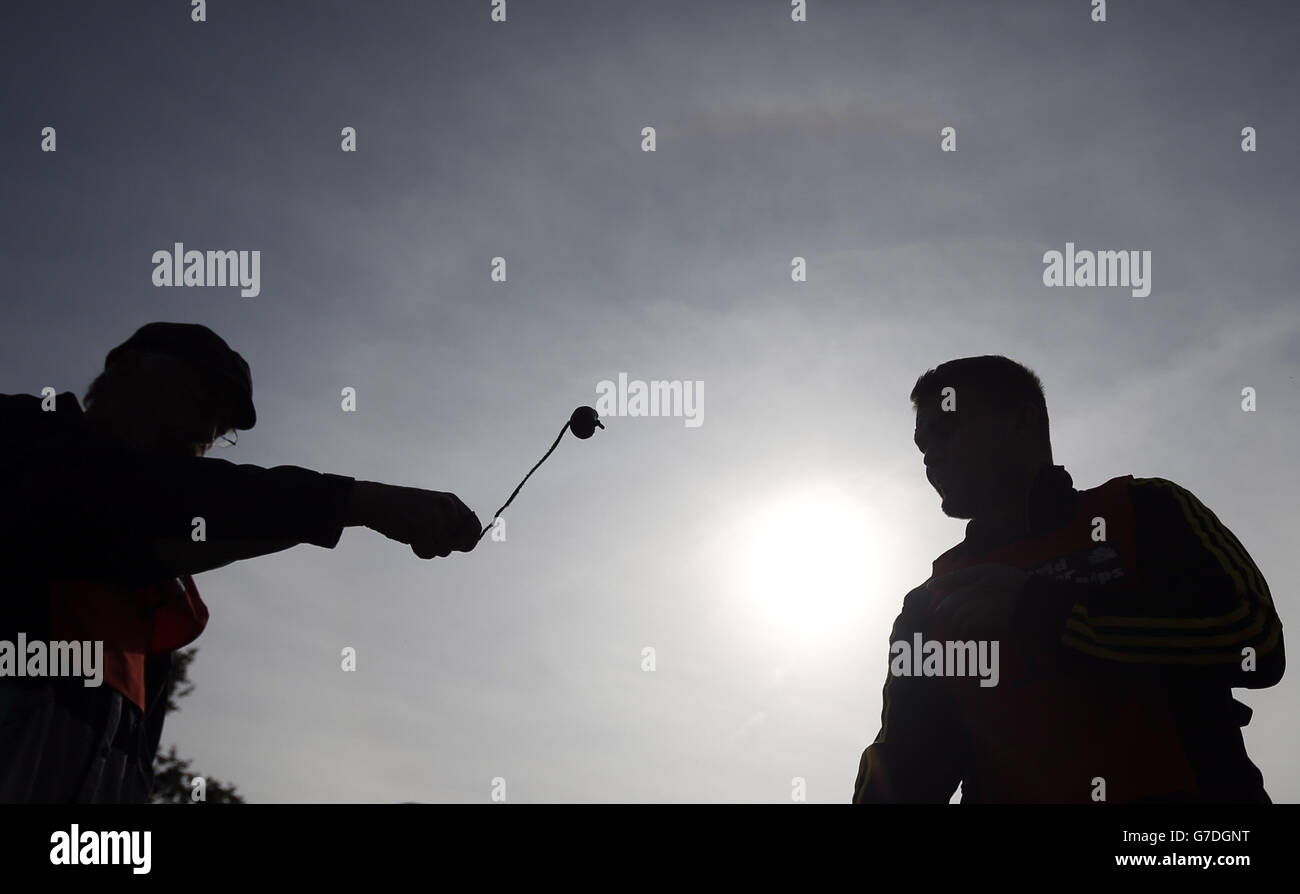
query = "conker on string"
x=584 y=422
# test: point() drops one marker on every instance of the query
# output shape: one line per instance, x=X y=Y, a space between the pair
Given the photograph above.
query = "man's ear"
x=1026 y=417
x=1028 y=422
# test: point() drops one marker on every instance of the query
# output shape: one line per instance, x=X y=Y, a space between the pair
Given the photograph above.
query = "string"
x=489 y=525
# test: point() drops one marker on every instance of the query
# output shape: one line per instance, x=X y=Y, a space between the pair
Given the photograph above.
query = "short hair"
x=999 y=383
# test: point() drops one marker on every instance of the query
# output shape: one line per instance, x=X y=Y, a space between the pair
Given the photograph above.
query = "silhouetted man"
x=1124 y=615
x=108 y=513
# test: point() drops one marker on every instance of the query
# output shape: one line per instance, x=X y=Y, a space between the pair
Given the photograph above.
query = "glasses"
x=230 y=439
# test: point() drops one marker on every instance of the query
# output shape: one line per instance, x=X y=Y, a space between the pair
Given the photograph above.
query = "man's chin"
x=954 y=509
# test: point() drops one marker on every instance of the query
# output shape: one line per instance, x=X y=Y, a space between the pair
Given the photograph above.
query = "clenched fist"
x=431 y=522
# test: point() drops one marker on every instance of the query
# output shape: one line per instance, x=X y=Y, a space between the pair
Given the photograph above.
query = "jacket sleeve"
x=87 y=508
x=919 y=753
x=1202 y=607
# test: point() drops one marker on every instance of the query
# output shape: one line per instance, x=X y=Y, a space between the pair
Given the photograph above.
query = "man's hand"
x=981 y=600
x=433 y=523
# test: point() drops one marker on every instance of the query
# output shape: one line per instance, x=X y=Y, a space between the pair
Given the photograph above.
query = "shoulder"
x=29 y=411
x=64 y=401
x=1149 y=491
x=1168 y=503
x=916 y=605
x=19 y=403
x=19 y=411
x=1162 y=491
x=1117 y=485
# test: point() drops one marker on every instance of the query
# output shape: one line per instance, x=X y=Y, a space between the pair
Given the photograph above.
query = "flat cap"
x=220 y=366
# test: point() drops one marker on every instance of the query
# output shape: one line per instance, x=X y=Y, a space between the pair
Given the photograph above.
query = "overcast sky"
x=523 y=660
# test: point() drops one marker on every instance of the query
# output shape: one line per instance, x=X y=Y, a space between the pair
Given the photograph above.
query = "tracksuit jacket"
x=95 y=544
x=1141 y=615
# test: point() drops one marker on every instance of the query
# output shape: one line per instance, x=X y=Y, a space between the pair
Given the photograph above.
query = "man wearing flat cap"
x=97 y=544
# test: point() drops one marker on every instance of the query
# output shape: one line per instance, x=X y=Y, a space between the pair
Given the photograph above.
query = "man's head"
x=172 y=388
x=985 y=439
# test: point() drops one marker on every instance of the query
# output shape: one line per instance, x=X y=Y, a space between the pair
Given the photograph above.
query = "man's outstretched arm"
x=87 y=507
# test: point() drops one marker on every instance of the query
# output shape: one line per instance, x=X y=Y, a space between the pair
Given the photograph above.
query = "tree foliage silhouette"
x=172 y=776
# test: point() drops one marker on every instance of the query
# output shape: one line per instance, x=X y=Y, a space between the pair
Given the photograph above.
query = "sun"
x=807 y=560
